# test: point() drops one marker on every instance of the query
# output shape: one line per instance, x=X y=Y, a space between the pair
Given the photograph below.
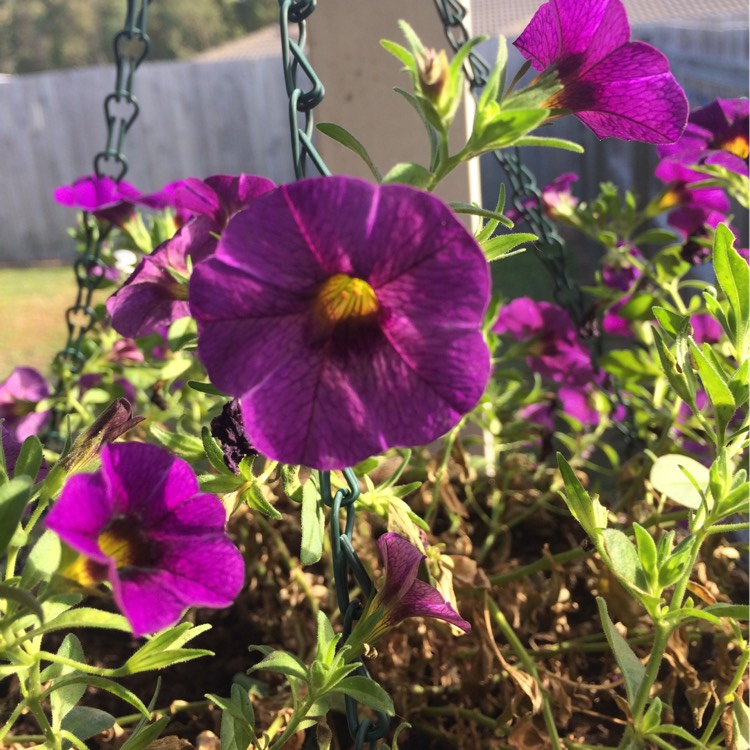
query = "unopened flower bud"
x=433 y=74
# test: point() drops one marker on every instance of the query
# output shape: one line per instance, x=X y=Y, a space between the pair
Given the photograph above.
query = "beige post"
x=359 y=77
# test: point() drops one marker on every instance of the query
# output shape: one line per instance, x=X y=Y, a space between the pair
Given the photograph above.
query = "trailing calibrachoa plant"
x=269 y=356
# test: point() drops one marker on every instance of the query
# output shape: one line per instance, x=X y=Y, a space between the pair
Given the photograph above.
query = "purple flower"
x=616 y=87
x=402 y=595
x=613 y=323
x=346 y=318
x=716 y=134
x=620 y=273
x=142 y=523
x=156 y=293
x=705 y=328
x=555 y=351
x=556 y=198
x=20 y=393
x=102 y=196
x=578 y=403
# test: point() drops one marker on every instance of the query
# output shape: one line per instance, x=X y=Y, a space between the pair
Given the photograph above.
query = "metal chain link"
x=131 y=46
x=301 y=101
x=345 y=561
x=550 y=247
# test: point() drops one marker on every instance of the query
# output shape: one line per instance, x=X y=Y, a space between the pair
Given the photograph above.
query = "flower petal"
x=422 y=600
x=401 y=560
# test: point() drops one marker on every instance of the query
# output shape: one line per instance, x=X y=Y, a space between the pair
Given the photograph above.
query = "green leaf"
x=182 y=332
x=346 y=139
x=145 y=734
x=667 y=476
x=733 y=275
x=253 y=496
x=103 y=683
x=409 y=173
x=736 y=500
x=647 y=555
x=165 y=649
x=503 y=129
x=718 y=391
x=674 y=373
x=81 y=617
x=739 y=384
x=638 y=307
x=652 y=717
x=29 y=459
x=629 y=364
x=85 y=722
x=313 y=525
x=326 y=638
x=14 y=496
x=655 y=237
x=741 y=723
x=589 y=512
x=669 y=320
x=214 y=453
x=238 y=721
x=496 y=82
x=222 y=484
x=43 y=561
x=563 y=143
x=623 y=558
x=496 y=247
x=188 y=447
x=630 y=665
x=63 y=699
x=400 y=53
x=367 y=692
x=281 y=662
x=22 y=597
x=735 y=611
x=485 y=213
x=201 y=387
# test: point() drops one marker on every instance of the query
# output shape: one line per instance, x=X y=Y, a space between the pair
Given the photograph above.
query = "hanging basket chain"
x=345 y=561
x=131 y=45
x=550 y=247
x=301 y=101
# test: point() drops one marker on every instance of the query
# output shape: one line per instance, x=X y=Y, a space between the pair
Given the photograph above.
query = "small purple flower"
x=693 y=208
x=20 y=393
x=142 y=523
x=557 y=200
x=555 y=351
x=613 y=323
x=346 y=319
x=156 y=293
x=616 y=87
x=402 y=595
x=620 y=273
x=705 y=328
x=578 y=403
x=716 y=134
x=102 y=196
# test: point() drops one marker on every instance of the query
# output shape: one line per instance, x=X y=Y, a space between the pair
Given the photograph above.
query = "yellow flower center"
x=118 y=547
x=738 y=146
x=343 y=298
x=669 y=199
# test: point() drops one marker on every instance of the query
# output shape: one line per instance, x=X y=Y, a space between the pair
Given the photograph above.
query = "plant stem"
x=530 y=667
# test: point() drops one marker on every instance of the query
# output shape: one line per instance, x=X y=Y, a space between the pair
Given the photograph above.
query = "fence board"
x=196 y=119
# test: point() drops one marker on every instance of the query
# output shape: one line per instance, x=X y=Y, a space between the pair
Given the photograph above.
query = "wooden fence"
x=196 y=119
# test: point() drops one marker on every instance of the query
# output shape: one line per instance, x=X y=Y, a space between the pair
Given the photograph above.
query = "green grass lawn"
x=32 y=315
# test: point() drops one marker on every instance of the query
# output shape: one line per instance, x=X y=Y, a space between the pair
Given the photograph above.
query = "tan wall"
x=359 y=77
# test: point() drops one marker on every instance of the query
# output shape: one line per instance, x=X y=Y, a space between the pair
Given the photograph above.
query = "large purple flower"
x=346 y=318
x=402 y=595
x=155 y=294
x=20 y=393
x=716 y=134
x=616 y=87
x=555 y=350
x=102 y=196
x=142 y=523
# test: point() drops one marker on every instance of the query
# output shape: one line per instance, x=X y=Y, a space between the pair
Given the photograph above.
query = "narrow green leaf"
x=496 y=247
x=674 y=373
x=647 y=555
x=735 y=611
x=652 y=717
x=367 y=692
x=201 y=387
x=255 y=499
x=182 y=332
x=733 y=275
x=63 y=699
x=623 y=557
x=313 y=525
x=188 y=447
x=14 y=496
x=346 y=139
x=238 y=721
x=400 y=53
x=283 y=663
x=214 y=453
x=563 y=143
x=29 y=459
x=739 y=384
x=43 y=561
x=81 y=617
x=629 y=364
x=144 y=735
x=474 y=210
x=630 y=665
x=741 y=723
x=718 y=391
x=103 y=683
x=24 y=598
x=589 y=512
x=409 y=173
